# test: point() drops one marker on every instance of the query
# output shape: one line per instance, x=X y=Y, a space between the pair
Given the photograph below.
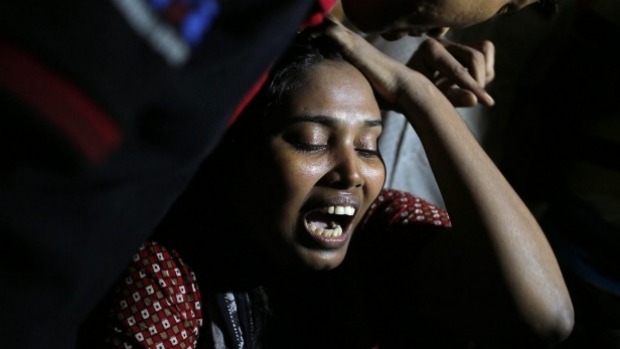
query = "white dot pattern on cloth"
x=159 y=304
x=404 y=208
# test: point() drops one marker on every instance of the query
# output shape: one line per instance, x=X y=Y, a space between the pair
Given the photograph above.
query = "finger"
x=488 y=50
x=449 y=67
x=456 y=95
x=419 y=62
x=473 y=59
x=461 y=98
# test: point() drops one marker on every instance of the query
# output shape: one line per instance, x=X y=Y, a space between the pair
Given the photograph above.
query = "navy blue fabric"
x=69 y=227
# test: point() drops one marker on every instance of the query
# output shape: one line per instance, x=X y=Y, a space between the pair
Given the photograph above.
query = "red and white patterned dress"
x=158 y=304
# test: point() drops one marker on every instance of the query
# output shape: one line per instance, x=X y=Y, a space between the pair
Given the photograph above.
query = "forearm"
x=496 y=242
x=497 y=254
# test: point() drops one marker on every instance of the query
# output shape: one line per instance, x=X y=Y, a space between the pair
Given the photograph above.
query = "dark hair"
x=547 y=7
x=286 y=76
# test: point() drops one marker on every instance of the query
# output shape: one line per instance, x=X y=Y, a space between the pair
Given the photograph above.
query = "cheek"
x=466 y=15
x=294 y=177
x=301 y=174
x=374 y=179
x=454 y=13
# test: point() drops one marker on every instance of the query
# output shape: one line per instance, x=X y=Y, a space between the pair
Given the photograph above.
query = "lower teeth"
x=335 y=231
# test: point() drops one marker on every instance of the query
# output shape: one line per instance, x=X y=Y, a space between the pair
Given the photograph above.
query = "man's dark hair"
x=547 y=7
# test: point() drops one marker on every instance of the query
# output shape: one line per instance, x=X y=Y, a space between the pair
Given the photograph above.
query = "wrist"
x=418 y=94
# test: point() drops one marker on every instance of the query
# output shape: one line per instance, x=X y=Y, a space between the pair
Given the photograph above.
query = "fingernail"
x=490 y=100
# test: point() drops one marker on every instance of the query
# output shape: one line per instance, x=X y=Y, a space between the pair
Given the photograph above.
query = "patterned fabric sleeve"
x=158 y=303
x=395 y=228
x=395 y=208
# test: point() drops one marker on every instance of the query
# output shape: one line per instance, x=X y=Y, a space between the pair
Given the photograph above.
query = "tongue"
x=319 y=220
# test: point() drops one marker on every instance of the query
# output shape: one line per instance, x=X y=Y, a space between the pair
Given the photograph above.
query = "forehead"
x=333 y=88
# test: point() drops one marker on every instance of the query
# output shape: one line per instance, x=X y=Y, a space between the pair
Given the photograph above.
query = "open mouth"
x=330 y=222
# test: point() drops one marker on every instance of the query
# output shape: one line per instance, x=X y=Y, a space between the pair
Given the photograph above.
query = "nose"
x=346 y=172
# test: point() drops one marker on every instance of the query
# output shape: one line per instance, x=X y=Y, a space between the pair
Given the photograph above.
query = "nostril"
x=341 y=185
x=346 y=172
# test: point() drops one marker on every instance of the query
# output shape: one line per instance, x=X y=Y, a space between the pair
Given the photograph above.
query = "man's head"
x=397 y=18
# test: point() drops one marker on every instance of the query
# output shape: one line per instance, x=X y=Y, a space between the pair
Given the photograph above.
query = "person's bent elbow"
x=556 y=325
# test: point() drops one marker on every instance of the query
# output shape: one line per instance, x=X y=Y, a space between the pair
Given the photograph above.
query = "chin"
x=322 y=260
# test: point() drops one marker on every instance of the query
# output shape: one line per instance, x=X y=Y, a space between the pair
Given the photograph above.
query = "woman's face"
x=396 y=18
x=321 y=170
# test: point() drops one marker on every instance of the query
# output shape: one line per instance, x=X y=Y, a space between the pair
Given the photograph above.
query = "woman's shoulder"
x=398 y=208
x=157 y=303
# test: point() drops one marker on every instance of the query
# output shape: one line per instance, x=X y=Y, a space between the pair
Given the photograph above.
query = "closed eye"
x=309 y=148
x=367 y=153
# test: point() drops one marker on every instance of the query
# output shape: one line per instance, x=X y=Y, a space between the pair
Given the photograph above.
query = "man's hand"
x=461 y=72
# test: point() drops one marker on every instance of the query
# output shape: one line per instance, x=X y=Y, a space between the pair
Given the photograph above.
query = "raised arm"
x=494 y=277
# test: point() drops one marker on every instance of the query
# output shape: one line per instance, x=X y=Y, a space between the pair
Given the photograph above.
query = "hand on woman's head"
x=461 y=72
x=387 y=76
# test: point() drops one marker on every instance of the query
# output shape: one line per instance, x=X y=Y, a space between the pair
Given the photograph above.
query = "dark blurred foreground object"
x=107 y=109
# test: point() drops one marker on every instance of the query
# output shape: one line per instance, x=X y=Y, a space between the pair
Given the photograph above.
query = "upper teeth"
x=341 y=210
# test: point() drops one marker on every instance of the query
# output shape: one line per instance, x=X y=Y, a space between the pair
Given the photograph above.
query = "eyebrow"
x=330 y=121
